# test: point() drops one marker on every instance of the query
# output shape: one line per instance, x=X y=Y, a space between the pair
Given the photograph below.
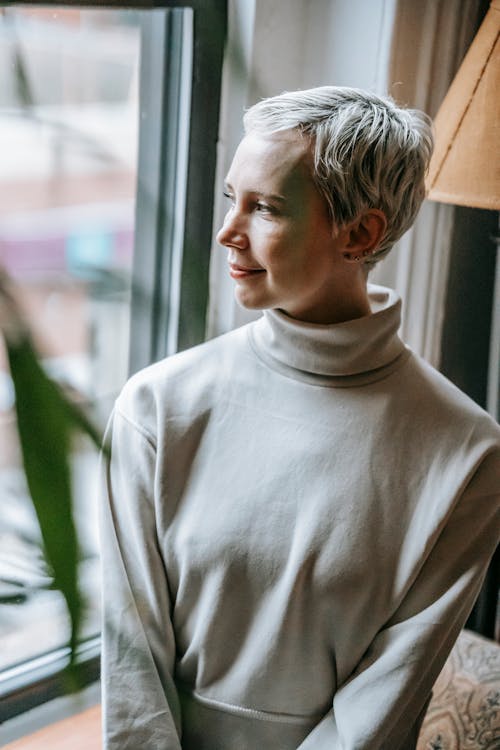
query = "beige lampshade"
x=465 y=167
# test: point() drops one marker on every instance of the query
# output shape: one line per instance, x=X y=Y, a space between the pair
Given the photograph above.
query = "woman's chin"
x=249 y=301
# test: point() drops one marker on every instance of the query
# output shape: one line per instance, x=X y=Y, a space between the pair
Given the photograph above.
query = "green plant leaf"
x=46 y=420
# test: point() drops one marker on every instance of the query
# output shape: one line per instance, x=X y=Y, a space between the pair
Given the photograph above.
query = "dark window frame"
x=152 y=336
x=43 y=678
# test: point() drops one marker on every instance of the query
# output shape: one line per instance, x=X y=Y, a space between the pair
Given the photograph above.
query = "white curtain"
x=429 y=41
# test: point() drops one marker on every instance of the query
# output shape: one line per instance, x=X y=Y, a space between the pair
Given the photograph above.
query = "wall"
x=348 y=43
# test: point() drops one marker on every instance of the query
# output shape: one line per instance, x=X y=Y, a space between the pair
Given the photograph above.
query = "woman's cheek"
x=279 y=237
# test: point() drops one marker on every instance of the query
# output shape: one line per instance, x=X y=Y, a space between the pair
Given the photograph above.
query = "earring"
x=356 y=258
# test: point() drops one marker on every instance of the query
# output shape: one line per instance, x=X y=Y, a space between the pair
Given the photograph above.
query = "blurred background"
x=68 y=135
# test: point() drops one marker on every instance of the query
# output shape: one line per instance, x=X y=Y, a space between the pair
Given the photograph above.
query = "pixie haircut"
x=368 y=152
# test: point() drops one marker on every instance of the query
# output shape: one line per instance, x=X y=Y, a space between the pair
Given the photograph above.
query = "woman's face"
x=282 y=250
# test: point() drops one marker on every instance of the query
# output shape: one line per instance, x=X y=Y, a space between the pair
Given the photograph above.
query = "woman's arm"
x=140 y=704
x=378 y=707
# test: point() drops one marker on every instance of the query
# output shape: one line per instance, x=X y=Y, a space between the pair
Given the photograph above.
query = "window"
x=108 y=127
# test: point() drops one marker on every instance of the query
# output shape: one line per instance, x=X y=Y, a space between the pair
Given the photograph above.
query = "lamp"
x=465 y=167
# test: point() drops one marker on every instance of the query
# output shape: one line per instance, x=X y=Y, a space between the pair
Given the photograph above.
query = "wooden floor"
x=79 y=732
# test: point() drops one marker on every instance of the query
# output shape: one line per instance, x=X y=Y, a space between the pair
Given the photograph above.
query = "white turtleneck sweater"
x=297 y=522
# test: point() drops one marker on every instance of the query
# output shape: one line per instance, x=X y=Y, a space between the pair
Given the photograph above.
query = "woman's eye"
x=229 y=197
x=264 y=208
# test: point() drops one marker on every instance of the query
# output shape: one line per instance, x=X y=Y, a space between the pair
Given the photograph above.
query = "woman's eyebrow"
x=267 y=196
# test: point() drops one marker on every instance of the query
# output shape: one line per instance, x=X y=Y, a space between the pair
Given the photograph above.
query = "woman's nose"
x=232 y=232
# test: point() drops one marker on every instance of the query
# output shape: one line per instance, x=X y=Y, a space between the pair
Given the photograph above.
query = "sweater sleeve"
x=140 y=704
x=381 y=705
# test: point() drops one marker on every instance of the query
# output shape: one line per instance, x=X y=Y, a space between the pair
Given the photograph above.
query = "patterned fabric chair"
x=464 y=713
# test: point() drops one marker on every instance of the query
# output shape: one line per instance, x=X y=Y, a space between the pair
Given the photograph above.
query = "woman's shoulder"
x=439 y=402
x=182 y=382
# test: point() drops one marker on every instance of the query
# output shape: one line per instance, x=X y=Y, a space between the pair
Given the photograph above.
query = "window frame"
x=153 y=335
x=43 y=678
x=159 y=324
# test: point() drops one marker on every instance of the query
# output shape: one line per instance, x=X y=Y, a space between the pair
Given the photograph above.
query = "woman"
x=299 y=513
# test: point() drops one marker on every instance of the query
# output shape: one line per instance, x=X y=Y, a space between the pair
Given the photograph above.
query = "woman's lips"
x=243 y=272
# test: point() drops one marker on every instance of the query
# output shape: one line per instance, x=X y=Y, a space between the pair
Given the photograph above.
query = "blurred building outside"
x=68 y=151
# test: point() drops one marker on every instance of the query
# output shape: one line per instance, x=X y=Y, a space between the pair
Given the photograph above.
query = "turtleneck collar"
x=342 y=354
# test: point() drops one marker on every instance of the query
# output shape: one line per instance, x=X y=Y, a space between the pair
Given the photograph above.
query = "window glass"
x=68 y=144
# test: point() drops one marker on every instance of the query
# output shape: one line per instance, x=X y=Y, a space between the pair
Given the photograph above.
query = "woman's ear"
x=364 y=235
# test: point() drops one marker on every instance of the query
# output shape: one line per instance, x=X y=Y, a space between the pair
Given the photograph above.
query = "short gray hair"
x=368 y=152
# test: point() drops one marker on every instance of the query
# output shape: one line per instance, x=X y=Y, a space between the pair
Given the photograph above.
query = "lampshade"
x=465 y=167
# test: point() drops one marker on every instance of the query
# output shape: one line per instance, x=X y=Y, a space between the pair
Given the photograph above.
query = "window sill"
x=84 y=729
